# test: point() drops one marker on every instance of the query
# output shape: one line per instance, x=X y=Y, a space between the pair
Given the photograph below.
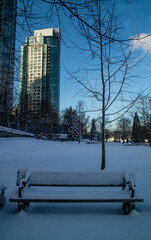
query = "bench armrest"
x=129 y=183
x=23 y=183
x=2 y=188
x=130 y=187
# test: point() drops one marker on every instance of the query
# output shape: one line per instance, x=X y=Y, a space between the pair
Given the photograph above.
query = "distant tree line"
x=76 y=124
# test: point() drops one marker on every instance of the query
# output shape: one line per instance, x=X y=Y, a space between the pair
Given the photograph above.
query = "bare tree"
x=124 y=125
x=106 y=75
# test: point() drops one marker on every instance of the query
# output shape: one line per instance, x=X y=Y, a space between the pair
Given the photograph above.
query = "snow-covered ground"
x=74 y=221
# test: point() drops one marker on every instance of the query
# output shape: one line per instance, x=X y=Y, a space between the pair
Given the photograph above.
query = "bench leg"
x=128 y=207
x=23 y=206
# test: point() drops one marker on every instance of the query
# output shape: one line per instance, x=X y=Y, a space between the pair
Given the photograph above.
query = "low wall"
x=10 y=132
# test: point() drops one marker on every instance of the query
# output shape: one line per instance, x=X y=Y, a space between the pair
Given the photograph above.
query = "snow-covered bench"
x=2 y=194
x=38 y=186
x=91 y=142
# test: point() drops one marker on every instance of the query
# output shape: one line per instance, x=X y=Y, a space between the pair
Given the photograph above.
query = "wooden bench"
x=38 y=186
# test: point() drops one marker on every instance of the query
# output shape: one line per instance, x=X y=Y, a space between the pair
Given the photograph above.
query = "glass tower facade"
x=40 y=72
x=7 y=52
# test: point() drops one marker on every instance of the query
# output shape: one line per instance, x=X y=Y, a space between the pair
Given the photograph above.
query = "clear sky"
x=137 y=17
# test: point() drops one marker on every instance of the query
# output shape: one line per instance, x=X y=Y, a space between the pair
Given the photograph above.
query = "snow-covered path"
x=59 y=221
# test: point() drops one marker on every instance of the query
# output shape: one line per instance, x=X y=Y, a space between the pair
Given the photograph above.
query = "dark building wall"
x=7 y=52
x=53 y=72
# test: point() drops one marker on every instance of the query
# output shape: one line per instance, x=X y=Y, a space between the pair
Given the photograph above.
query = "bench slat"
x=132 y=200
x=71 y=185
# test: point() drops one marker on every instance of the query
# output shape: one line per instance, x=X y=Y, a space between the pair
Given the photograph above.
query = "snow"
x=46 y=194
x=15 y=131
x=2 y=186
x=60 y=221
x=74 y=178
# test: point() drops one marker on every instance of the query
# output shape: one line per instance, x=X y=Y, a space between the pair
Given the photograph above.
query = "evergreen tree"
x=93 y=135
x=136 y=130
x=71 y=123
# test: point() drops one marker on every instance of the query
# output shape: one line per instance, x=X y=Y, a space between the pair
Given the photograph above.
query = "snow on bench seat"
x=76 y=194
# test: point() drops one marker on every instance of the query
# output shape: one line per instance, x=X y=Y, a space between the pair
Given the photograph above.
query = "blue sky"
x=137 y=17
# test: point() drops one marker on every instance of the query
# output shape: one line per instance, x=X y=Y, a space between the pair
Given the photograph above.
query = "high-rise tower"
x=7 y=53
x=40 y=72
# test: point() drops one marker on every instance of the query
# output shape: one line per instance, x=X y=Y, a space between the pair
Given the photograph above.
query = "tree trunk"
x=103 y=92
x=103 y=140
x=103 y=104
